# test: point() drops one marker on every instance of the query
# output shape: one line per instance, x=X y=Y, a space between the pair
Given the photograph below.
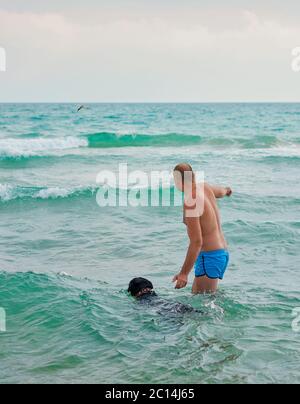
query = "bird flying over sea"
x=80 y=108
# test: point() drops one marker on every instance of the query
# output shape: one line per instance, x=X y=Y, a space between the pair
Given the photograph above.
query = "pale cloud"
x=117 y=57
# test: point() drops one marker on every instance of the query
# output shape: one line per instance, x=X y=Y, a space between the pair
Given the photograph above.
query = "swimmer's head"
x=139 y=287
x=183 y=176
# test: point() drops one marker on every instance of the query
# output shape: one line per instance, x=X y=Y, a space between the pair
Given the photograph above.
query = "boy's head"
x=139 y=287
x=183 y=176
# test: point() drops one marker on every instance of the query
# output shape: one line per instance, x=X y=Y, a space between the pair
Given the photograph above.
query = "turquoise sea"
x=65 y=262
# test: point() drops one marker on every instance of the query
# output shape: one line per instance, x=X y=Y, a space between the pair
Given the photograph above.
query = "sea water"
x=66 y=262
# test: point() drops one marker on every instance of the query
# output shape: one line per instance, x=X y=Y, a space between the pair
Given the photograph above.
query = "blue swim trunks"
x=212 y=264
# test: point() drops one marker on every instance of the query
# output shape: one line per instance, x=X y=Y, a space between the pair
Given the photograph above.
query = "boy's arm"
x=196 y=241
x=220 y=192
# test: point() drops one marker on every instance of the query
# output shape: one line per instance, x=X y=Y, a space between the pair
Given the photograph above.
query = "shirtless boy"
x=208 y=248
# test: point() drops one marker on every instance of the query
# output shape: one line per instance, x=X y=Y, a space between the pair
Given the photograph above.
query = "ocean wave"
x=289 y=150
x=33 y=147
x=16 y=148
x=6 y=193
x=10 y=193
x=112 y=140
x=56 y=193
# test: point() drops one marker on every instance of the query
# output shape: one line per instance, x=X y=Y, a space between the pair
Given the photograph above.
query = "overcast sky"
x=149 y=50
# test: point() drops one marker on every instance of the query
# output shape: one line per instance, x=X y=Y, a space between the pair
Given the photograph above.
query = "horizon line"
x=149 y=102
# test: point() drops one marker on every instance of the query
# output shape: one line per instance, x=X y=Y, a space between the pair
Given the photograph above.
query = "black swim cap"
x=138 y=284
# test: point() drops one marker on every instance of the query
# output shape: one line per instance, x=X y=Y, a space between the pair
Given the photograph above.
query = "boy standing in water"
x=208 y=248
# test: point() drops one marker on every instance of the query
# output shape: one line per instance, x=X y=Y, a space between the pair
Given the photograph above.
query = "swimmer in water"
x=142 y=290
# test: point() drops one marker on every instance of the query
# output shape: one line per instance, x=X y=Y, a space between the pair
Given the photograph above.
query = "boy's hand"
x=181 y=281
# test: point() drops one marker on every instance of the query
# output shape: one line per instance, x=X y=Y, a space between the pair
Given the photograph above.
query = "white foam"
x=9 y=193
x=6 y=192
x=53 y=193
x=39 y=146
x=289 y=150
x=286 y=151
